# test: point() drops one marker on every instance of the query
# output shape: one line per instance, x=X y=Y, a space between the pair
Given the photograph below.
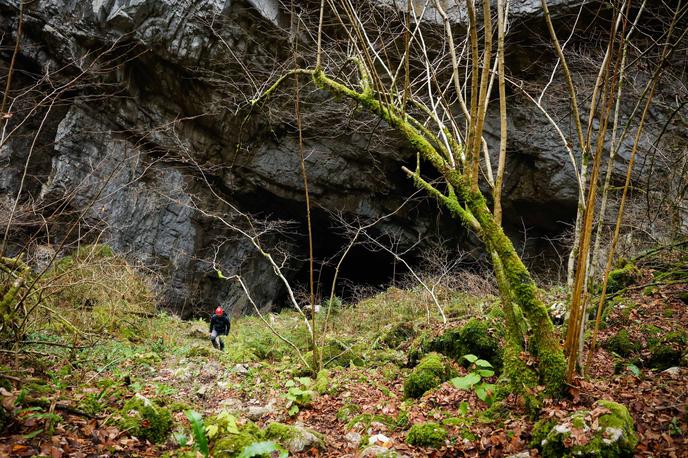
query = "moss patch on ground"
x=433 y=370
x=145 y=420
x=426 y=435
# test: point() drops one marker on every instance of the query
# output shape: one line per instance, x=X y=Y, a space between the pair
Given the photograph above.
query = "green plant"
x=299 y=395
x=49 y=419
x=199 y=432
x=480 y=369
x=264 y=448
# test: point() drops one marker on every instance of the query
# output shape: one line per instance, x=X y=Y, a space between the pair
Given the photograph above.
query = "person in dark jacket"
x=219 y=326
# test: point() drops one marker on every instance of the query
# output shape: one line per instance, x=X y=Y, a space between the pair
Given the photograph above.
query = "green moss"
x=477 y=337
x=230 y=445
x=666 y=351
x=323 y=383
x=426 y=435
x=419 y=347
x=540 y=431
x=339 y=353
x=145 y=420
x=432 y=370
x=398 y=334
x=621 y=344
x=347 y=411
x=198 y=351
x=621 y=278
x=611 y=436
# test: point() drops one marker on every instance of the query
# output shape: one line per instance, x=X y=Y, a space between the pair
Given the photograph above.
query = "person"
x=219 y=326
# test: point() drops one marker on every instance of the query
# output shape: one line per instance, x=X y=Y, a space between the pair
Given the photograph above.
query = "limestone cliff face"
x=146 y=128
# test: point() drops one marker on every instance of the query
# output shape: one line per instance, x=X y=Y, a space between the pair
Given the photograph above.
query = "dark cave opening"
x=365 y=266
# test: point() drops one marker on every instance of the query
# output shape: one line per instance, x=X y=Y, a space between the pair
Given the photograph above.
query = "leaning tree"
x=406 y=69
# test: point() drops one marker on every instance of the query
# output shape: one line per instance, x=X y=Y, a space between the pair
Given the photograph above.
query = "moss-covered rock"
x=144 y=419
x=606 y=431
x=231 y=445
x=323 y=382
x=480 y=339
x=198 y=351
x=295 y=438
x=666 y=351
x=621 y=278
x=477 y=337
x=621 y=344
x=339 y=353
x=432 y=370
x=426 y=435
x=398 y=334
x=347 y=411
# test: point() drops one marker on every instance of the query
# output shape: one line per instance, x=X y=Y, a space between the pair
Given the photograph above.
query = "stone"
x=296 y=438
x=353 y=439
x=672 y=371
x=255 y=413
x=377 y=451
x=240 y=369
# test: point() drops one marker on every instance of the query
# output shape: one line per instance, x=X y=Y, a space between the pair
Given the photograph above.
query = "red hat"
x=218 y=311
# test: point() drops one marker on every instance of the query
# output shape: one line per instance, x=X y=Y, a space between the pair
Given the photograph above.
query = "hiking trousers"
x=215 y=338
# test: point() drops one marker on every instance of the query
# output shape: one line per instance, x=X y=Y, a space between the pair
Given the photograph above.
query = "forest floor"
x=71 y=401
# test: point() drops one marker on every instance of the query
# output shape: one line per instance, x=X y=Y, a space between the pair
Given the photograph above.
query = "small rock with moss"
x=230 y=445
x=295 y=438
x=433 y=370
x=142 y=418
x=198 y=351
x=621 y=278
x=606 y=431
x=621 y=344
x=426 y=435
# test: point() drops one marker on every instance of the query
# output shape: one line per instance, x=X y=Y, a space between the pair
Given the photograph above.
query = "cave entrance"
x=364 y=270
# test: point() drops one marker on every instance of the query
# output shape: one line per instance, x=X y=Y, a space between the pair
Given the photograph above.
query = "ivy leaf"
x=305 y=381
x=470 y=358
x=293 y=410
x=482 y=363
x=633 y=369
x=486 y=372
x=466 y=382
x=262 y=449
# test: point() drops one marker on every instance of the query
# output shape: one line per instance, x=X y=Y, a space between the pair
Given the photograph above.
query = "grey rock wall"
x=152 y=87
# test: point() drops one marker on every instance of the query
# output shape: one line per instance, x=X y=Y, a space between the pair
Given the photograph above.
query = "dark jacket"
x=220 y=323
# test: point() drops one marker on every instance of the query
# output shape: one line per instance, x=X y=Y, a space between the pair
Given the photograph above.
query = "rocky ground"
x=132 y=397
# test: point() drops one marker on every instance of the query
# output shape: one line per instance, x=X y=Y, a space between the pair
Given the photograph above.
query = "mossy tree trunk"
x=468 y=205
